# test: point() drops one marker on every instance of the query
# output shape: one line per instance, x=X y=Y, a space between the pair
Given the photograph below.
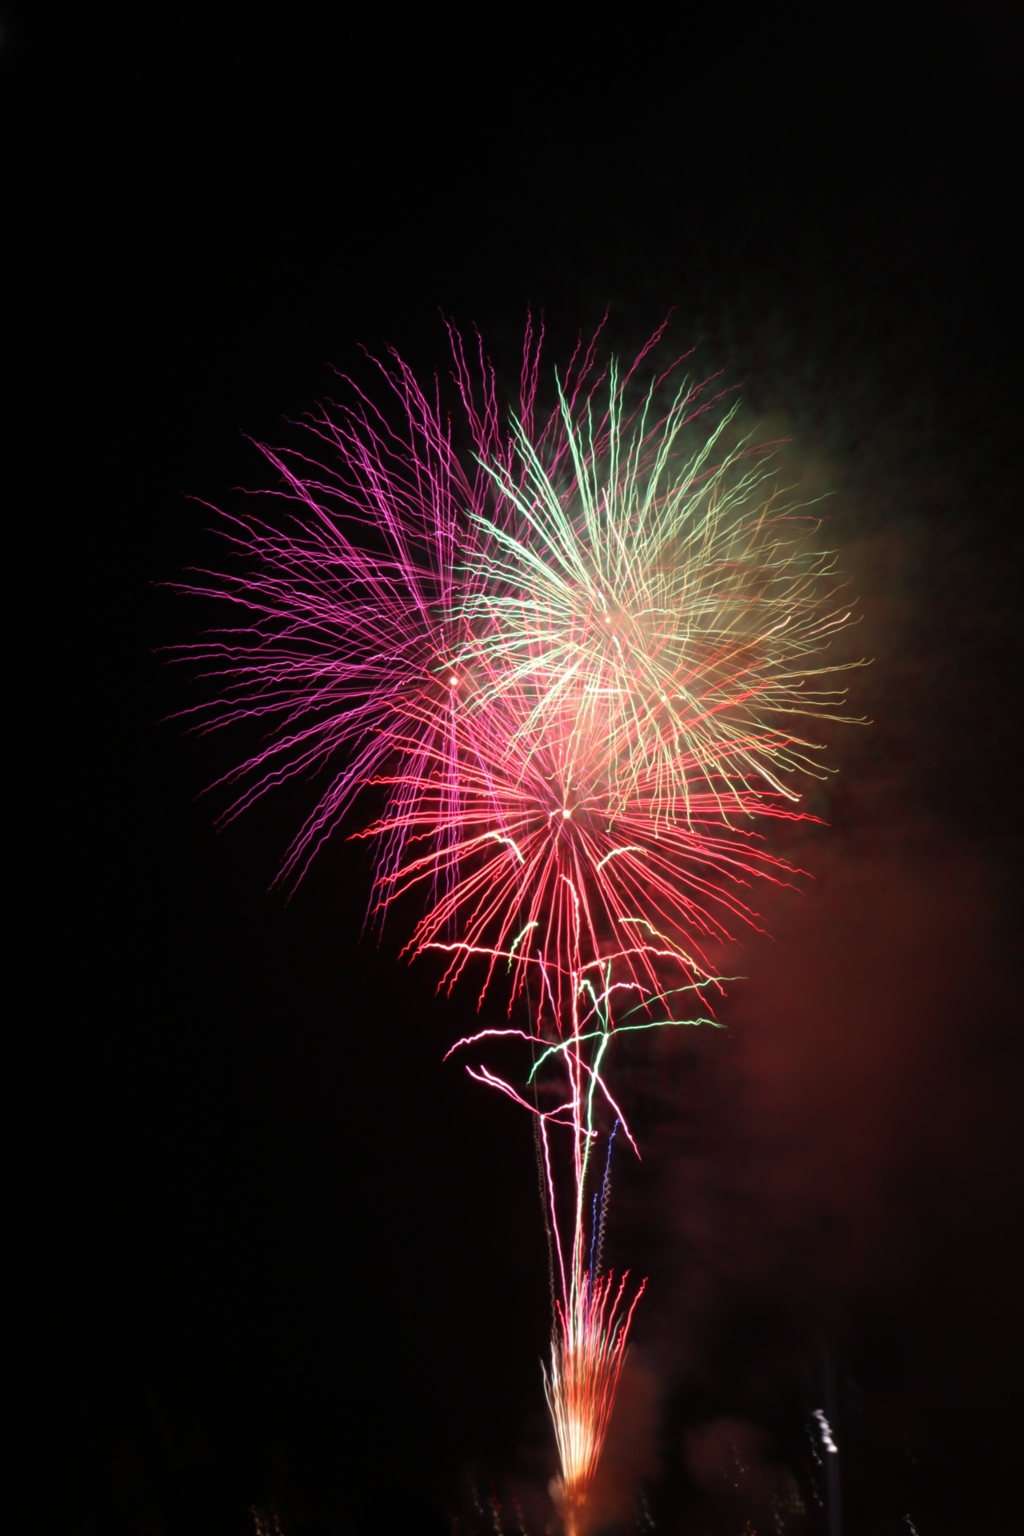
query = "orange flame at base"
x=587 y=1352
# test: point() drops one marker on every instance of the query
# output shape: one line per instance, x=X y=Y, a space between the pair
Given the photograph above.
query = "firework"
x=573 y=654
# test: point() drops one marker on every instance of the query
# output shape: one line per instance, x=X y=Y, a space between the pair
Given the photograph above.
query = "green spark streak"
x=606 y=1034
x=694 y=986
x=695 y=572
x=517 y=941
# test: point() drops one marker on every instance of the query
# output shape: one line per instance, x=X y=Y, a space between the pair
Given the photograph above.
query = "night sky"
x=271 y=1251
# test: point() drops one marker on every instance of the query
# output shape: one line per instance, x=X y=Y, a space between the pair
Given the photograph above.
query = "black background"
x=273 y=1252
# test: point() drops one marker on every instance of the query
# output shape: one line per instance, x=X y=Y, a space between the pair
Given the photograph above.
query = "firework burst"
x=574 y=660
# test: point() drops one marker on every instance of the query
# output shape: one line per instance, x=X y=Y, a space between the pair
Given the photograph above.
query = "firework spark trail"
x=572 y=662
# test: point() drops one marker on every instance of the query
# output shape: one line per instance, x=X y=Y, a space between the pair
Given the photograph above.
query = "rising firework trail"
x=575 y=661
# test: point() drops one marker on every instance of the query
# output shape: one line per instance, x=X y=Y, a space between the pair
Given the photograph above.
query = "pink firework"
x=574 y=659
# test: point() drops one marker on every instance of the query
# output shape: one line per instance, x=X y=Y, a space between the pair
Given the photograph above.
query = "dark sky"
x=273 y=1251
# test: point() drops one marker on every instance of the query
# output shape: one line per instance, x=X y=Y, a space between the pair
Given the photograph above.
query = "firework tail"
x=587 y=1349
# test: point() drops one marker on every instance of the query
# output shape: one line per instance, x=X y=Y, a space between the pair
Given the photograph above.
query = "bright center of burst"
x=566 y=813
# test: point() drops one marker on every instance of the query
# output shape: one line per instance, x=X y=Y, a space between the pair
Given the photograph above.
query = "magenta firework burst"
x=573 y=649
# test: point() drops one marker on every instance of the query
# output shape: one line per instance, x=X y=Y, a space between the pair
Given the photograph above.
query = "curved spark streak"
x=633 y=848
x=498 y=838
x=488 y=1034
